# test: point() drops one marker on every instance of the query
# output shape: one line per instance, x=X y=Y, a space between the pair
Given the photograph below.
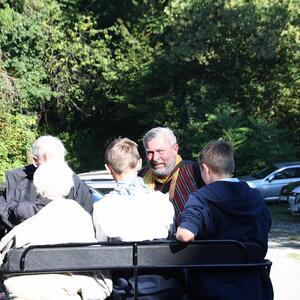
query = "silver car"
x=272 y=179
x=101 y=181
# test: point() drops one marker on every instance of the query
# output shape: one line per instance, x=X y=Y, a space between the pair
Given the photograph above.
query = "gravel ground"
x=284 y=252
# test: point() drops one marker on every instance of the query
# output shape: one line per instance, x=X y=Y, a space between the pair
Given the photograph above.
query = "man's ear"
x=35 y=161
x=176 y=147
x=108 y=169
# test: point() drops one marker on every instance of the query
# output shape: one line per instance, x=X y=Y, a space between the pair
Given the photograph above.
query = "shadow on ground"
x=285 y=234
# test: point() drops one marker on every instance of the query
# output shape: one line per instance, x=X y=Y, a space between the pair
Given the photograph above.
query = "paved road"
x=285 y=271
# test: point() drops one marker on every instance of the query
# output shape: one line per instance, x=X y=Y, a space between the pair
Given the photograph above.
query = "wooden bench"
x=135 y=256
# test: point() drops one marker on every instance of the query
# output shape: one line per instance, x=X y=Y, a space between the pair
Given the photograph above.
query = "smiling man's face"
x=161 y=155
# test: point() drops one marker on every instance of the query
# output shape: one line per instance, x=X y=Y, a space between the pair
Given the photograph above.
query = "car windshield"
x=264 y=172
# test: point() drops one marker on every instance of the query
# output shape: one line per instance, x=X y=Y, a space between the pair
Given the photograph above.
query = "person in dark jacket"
x=226 y=209
x=20 y=200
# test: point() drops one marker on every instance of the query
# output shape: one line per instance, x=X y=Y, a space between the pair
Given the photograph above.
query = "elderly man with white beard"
x=166 y=171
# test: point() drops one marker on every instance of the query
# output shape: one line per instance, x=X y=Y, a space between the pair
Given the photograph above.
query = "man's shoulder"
x=79 y=183
x=188 y=164
x=19 y=174
x=81 y=193
x=62 y=203
x=142 y=172
x=191 y=171
x=23 y=171
x=77 y=179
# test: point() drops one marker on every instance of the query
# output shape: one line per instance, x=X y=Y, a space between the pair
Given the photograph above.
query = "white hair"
x=50 y=146
x=154 y=132
x=53 y=179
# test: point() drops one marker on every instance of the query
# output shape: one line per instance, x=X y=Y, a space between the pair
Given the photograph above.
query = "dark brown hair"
x=219 y=156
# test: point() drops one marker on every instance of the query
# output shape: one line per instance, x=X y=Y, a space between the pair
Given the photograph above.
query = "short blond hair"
x=122 y=154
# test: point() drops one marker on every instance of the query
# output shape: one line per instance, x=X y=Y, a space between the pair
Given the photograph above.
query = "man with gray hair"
x=48 y=148
x=20 y=200
x=166 y=171
x=60 y=221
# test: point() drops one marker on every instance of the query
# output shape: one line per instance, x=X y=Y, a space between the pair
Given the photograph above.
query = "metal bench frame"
x=135 y=256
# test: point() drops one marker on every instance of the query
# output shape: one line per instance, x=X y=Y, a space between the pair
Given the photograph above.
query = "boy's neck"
x=216 y=177
x=125 y=175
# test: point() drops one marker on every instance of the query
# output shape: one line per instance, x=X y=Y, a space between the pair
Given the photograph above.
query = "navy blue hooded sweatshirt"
x=229 y=210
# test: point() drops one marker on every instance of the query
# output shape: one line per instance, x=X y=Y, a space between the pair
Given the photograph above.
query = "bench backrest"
x=139 y=255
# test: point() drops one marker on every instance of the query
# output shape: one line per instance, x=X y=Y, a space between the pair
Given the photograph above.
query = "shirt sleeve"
x=196 y=216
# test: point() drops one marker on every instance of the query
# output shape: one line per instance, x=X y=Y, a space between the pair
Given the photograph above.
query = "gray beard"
x=165 y=172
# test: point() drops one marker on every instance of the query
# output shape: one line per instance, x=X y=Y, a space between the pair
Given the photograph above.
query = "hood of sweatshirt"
x=235 y=198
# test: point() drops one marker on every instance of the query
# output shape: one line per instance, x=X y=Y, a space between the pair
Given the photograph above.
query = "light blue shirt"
x=131 y=187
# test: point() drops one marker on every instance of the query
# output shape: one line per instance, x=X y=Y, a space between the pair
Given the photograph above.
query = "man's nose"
x=155 y=156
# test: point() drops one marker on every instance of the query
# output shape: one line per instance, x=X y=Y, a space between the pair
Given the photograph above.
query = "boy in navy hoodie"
x=225 y=209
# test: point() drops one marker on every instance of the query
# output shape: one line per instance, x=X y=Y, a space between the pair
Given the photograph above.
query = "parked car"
x=273 y=178
x=101 y=181
x=294 y=200
x=288 y=190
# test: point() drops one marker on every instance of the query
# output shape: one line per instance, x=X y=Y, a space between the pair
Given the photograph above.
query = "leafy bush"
x=18 y=132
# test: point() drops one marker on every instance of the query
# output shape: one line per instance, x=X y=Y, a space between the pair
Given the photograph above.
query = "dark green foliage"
x=95 y=70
